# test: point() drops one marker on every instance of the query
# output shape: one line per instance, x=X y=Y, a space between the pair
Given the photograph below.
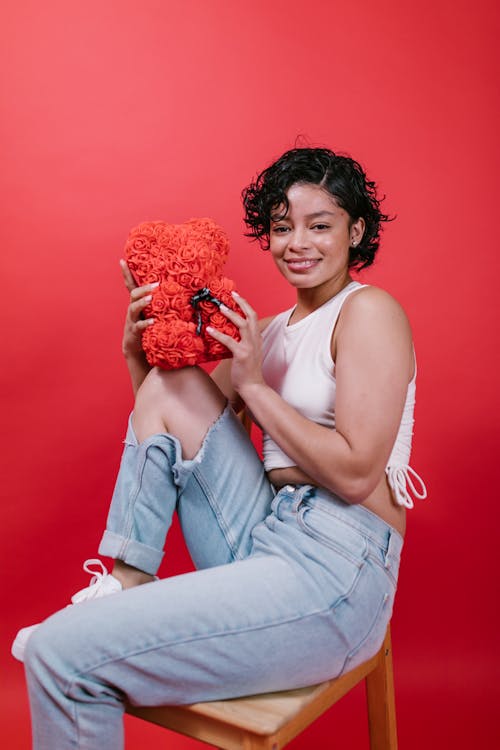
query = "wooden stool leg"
x=381 y=701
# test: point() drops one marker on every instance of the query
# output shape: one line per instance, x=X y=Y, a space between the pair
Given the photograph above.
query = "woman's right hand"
x=140 y=297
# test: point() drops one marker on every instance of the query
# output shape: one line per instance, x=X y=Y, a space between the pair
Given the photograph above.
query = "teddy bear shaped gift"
x=187 y=261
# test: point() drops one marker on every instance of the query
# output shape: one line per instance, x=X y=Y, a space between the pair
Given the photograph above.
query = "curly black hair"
x=340 y=175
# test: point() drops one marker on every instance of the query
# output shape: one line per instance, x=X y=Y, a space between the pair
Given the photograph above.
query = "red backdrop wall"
x=117 y=112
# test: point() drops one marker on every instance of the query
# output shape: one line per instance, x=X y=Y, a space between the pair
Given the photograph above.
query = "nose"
x=298 y=239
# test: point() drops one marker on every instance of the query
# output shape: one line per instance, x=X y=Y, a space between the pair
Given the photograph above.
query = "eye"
x=280 y=229
x=321 y=227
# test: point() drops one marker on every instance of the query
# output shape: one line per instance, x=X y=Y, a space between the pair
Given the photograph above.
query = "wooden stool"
x=270 y=721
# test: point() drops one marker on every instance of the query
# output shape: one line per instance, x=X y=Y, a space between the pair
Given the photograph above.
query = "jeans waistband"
x=368 y=523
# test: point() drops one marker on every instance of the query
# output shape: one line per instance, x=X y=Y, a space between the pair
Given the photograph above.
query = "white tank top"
x=298 y=364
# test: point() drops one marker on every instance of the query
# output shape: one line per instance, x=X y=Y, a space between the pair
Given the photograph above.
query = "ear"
x=357 y=231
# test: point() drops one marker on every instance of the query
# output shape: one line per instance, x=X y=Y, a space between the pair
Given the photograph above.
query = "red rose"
x=180 y=304
x=161 y=230
x=221 y=285
x=199 y=282
x=158 y=305
x=147 y=228
x=187 y=281
x=227 y=299
x=140 y=242
x=188 y=253
x=176 y=266
x=206 y=308
x=218 y=320
x=170 y=287
x=204 y=254
x=216 y=350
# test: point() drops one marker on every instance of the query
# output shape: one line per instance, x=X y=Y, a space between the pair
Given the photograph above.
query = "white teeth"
x=301 y=263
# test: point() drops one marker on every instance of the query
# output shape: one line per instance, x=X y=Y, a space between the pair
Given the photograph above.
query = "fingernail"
x=154 y=284
x=148 y=298
x=223 y=307
x=150 y=321
x=235 y=294
x=209 y=329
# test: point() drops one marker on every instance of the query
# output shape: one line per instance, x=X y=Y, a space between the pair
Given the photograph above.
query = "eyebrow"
x=320 y=213
x=314 y=215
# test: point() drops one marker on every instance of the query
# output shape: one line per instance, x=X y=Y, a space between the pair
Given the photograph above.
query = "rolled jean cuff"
x=130 y=552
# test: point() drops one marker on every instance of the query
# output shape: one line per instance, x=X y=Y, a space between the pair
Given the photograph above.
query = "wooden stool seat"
x=271 y=720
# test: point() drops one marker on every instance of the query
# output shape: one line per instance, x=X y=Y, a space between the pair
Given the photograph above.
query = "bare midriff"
x=380 y=501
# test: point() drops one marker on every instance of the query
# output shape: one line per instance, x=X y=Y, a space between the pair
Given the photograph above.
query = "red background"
x=118 y=112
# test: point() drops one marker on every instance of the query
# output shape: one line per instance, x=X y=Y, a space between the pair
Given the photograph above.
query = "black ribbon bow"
x=202 y=295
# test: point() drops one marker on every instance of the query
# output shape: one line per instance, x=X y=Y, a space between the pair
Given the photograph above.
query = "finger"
x=138 y=306
x=243 y=304
x=222 y=338
x=141 y=325
x=231 y=315
x=127 y=275
x=139 y=291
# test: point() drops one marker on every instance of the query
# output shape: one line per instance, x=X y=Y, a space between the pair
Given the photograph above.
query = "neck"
x=308 y=300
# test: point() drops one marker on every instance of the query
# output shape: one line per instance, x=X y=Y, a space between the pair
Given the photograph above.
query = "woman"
x=297 y=557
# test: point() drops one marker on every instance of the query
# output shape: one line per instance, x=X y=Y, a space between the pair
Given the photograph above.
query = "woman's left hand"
x=247 y=353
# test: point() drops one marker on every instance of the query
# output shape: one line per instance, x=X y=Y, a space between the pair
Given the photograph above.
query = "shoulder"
x=372 y=304
x=372 y=324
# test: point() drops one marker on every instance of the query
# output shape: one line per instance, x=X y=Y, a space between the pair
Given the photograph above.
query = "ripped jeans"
x=291 y=588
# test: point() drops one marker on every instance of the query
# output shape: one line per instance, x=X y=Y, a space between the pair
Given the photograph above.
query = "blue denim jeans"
x=292 y=588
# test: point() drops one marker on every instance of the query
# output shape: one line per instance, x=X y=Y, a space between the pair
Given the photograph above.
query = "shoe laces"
x=97 y=582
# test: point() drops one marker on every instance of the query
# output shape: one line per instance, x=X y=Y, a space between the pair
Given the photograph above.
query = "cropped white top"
x=298 y=364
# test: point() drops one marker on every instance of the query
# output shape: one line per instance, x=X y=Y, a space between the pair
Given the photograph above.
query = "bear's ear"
x=222 y=247
x=215 y=240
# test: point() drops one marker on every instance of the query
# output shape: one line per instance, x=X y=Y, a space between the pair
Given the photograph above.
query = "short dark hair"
x=338 y=174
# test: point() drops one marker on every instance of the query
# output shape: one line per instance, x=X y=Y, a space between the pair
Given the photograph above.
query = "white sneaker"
x=102 y=584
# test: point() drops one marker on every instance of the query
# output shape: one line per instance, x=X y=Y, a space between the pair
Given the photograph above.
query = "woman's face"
x=310 y=244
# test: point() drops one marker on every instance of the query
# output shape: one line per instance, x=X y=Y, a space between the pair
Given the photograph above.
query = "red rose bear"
x=187 y=261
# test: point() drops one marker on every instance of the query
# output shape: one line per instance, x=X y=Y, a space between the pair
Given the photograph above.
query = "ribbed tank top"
x=297 y=364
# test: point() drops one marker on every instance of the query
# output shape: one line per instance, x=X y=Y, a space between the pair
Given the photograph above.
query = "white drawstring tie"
x=401 y=482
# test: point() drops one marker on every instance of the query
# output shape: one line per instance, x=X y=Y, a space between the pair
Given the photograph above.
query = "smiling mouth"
x=301 y=265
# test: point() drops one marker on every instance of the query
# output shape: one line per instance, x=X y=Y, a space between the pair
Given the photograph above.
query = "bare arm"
x=222 y=375
x=132 y=350
x=374 y=360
